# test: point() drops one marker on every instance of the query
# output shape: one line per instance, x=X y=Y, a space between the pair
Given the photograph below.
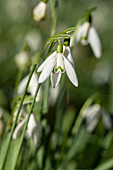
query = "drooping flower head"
x=33 y=129
x=88 y=34
x=39 y=11
x=92 y=115
x=55 y=65
x=32 y=86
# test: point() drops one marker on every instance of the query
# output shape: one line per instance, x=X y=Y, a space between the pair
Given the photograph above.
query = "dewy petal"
x=94 y=42
x=47 y=70
x=19 y=128
x=46 y=61
x=55 y=78
x=68 y=55
x=70 y=72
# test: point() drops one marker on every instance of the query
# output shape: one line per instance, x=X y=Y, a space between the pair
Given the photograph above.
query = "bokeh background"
x=18 y=30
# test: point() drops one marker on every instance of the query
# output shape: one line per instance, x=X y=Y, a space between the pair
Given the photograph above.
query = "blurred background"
x=20 y=33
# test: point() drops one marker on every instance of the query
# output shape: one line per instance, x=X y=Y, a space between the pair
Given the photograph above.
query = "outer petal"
x=55 y=78
x=68 y=55
x=106 y=119
x=94 y=42
x=34 y=129
x=47 y=70
x=19 y=128
x=70 y=72
x=39 y=11
x=79 y=33
x=22 y=85
x=46 y=61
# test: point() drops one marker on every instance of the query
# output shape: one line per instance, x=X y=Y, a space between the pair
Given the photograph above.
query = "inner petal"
x=59 y=64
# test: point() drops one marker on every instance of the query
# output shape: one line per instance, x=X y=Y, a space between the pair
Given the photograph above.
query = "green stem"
x=25 y=127
x=54 y=18
x=15 y=122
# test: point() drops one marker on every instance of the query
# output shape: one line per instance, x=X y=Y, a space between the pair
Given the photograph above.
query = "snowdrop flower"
x=92 y=115
x=21 y=59
x=33 y=39
x=39 y=11
x=55 y=65
x=33 y=129
x=87 y=34
x=32 y=86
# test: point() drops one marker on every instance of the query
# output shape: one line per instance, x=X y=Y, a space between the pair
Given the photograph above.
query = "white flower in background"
x=93 y=114
x=32 y=86
x=39 y=11
x=87 y=34
x=55 y=65
x=21 y=59
x=33 y=128
x=33 y=39
x=102 y=72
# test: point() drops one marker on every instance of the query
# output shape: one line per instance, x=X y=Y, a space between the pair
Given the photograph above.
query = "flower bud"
x=39 y=11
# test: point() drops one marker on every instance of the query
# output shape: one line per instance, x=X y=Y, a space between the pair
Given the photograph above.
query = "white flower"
x=92 y=115
x=87 y=34
x=39 y=11
x=33 y=39
x=32 y=86
x=21 y=59
x=56 y=64
x=33 y=128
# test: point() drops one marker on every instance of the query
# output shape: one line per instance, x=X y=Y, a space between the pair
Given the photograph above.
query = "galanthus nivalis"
x=32 y=86
x=39 y=11
x=92 y=115
x=33 y=128
x=55 y=65
x=88 y=34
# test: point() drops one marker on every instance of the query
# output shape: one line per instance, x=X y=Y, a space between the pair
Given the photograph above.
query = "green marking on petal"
x=59 y=67
x=84 y=38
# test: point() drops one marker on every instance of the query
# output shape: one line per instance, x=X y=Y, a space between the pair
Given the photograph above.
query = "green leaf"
x=12 y=154
x=106 y=165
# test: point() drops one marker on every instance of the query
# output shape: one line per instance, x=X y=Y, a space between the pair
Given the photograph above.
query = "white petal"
x=70 y=72
x=40 y=11
x=106 y=119
x=59 y=63
x=82 y=31
x=33 y=84
x=94 y=42
x=47 y=70
x=22 y=85
x=19 y=128
x=55 y=78
x=68 y=55
x=46 y=61
x=79 y=34
x=34 y=129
